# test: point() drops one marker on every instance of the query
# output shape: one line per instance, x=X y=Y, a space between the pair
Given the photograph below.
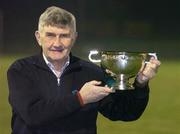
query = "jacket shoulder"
x=23 y=63
x=89 y=66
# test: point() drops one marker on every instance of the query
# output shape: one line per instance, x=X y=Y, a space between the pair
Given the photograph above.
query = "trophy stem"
x=123 y=83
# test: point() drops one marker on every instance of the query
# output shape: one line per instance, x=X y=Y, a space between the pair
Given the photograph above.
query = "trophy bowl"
x=121 y=66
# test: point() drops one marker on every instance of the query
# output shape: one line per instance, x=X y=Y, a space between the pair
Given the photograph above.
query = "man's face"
x=56 y=42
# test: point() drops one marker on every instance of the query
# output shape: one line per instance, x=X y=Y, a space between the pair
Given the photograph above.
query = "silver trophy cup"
x=122 y=66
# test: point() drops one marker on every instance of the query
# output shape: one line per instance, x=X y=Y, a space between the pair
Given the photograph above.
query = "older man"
x=55 y=92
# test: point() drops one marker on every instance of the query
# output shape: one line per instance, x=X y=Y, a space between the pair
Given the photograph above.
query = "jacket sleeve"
x=125 y=105
x=30 y=107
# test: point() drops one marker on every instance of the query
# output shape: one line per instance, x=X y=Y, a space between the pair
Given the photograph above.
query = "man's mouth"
x=57 y=49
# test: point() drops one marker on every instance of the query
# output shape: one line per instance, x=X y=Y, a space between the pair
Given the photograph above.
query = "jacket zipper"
x=58 y=81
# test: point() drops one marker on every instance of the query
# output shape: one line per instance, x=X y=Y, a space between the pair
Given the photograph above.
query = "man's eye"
x=50 y=35
x=65 y=36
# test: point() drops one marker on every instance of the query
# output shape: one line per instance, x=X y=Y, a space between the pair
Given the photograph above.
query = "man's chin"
x=57 y=57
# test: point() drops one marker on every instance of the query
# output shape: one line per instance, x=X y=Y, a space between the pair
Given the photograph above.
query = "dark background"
x=123 y=25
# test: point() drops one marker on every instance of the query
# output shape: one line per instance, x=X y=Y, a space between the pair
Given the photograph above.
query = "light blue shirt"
x=58 y=73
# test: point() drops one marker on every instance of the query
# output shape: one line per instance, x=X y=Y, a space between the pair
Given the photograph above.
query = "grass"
x=162 y=113
x=160 y=117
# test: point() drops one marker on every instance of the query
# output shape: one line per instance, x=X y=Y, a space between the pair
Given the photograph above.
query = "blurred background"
x=121 y=25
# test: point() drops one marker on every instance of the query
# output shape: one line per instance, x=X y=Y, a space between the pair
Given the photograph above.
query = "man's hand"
x=148 y=71
x=92 y=92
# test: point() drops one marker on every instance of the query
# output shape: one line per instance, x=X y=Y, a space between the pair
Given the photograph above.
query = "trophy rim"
x=122 y=52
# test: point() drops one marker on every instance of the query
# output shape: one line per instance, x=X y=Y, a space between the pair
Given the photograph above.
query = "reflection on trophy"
x=121 y=66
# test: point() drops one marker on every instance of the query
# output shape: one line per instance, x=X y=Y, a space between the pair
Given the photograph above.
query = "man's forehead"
x=55 y=29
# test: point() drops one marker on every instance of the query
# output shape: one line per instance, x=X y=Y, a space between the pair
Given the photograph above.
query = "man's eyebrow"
x=50 y=33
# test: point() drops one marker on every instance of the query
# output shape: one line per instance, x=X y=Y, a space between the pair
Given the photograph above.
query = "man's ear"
x=75 y=37
x=37 y=35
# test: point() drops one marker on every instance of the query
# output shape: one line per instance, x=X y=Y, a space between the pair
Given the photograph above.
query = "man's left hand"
x=148 y=71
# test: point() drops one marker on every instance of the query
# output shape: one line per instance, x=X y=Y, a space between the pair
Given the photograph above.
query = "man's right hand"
x=92 y=92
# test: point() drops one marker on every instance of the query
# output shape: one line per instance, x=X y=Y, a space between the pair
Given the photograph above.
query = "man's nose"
x=57 y=41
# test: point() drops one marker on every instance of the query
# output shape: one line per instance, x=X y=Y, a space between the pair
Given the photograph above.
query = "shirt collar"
x=51 y=66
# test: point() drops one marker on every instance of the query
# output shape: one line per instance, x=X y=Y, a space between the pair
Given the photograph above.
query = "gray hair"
x=56 y=16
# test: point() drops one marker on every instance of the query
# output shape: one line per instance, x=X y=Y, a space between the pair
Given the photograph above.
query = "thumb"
x=142 y=67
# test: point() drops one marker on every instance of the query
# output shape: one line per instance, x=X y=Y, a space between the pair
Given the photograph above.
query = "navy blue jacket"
x=41 y=106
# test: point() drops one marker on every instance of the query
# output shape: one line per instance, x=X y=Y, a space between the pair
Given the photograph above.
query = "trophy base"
x=123 y=83
x=119 y=84
x=123 y=87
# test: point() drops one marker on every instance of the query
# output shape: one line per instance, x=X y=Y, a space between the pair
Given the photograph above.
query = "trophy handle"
x=152 y=55
x=93 y=52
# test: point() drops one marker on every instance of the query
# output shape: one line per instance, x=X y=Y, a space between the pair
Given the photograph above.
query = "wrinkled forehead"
x=56 y=30
x=55 y=27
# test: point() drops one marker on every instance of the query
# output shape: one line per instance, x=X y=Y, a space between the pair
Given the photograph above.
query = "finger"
x=153 y=67
x=155 y=61
x=111 y=89
x=149 y=72
x=102 y=89
x=142 y=66
x=152 y=58
x=105 y=89
x=110 y=72
x=108 y=90
x=142 y=77
x=107 y=71
x=94 y=82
